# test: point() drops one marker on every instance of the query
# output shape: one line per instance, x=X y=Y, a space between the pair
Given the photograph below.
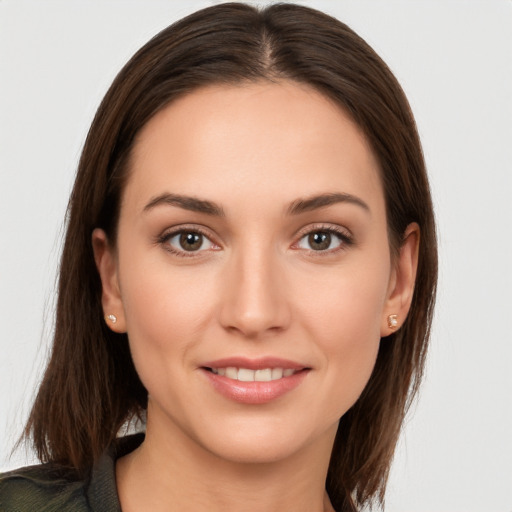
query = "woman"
x=249 y=267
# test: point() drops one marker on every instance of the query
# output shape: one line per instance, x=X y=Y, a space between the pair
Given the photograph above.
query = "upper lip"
x=254 y=364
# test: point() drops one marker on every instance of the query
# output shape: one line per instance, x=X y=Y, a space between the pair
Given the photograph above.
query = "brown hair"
x=90 y=388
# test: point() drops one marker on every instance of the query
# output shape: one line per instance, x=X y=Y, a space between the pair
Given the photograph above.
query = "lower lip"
x=254 y=392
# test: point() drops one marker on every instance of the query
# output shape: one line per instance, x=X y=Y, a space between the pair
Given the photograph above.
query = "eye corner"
x=328 y=235
x=173 y=239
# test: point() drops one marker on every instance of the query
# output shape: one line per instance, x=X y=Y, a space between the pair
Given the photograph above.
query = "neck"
x=171 y=472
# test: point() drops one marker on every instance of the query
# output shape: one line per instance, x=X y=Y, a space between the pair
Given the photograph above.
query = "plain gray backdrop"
x=454 y=60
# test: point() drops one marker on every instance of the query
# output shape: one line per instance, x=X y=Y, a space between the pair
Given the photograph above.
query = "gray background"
x=454 y=60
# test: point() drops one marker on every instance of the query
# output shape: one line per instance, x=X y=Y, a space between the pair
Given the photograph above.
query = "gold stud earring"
x=393 y=321
x=111 y=318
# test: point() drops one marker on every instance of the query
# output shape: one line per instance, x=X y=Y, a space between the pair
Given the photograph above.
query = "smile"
x=254 y=381
x=248 y=375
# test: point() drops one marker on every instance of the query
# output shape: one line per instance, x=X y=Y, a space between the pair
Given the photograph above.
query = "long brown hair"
x=90 y=388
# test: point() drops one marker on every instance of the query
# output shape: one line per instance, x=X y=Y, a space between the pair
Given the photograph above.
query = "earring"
x=392 y=321
x=111 y=318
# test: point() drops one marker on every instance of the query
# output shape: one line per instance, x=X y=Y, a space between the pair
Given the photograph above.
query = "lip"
x=254 y=392
x=255 y=364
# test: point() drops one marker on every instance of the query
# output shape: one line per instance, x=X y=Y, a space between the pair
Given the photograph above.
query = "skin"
x=256 y=287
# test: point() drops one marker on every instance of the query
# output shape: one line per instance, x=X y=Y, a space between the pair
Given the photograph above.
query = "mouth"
x=254 y=381
x=249 y=375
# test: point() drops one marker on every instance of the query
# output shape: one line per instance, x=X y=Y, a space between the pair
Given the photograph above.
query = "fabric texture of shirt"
x=44 y=488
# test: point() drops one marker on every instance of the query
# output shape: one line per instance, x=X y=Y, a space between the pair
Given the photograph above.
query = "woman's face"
x=252 y=244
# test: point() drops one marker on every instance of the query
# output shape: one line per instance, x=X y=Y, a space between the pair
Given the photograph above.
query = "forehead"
x=279 y=140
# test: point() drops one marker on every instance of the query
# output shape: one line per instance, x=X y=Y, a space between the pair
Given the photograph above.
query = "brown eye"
x=324 y=240
x=319 y=241
x=181 y=242
x=191 y=241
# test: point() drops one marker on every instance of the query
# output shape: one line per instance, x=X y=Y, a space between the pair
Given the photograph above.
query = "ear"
x=106 y=263
x=402 y=280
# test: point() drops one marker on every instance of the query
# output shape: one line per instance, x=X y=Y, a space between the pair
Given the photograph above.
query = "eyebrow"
x=322 y=200
x=296 y=207
x=187 y=203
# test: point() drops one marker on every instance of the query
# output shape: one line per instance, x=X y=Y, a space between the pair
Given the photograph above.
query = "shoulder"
x=52 y=488
x=45 y=488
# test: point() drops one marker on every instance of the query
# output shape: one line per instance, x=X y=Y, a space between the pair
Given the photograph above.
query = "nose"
x=254 y=300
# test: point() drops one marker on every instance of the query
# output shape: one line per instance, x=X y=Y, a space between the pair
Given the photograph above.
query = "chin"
x=265 y=451
x=260 y=443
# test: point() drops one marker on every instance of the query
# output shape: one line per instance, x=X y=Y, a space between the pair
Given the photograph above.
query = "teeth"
x=232 y=373
x=277 y=373
x=247 y=375
x=263 y=375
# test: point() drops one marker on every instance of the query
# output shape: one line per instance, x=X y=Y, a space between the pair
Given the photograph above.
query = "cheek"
x=166 y=308
x=345 y=320
x=346 y=305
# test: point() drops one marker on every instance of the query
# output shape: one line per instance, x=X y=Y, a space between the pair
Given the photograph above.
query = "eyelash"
x=346 y=240
x=167 y=236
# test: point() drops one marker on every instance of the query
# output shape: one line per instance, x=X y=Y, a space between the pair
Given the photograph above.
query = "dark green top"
x=44 y=488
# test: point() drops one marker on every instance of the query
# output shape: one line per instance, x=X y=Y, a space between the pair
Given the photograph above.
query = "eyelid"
x=346 y=237
x=171 y=232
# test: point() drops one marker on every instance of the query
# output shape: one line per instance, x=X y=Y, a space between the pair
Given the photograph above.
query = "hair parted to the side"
x=90 y=387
